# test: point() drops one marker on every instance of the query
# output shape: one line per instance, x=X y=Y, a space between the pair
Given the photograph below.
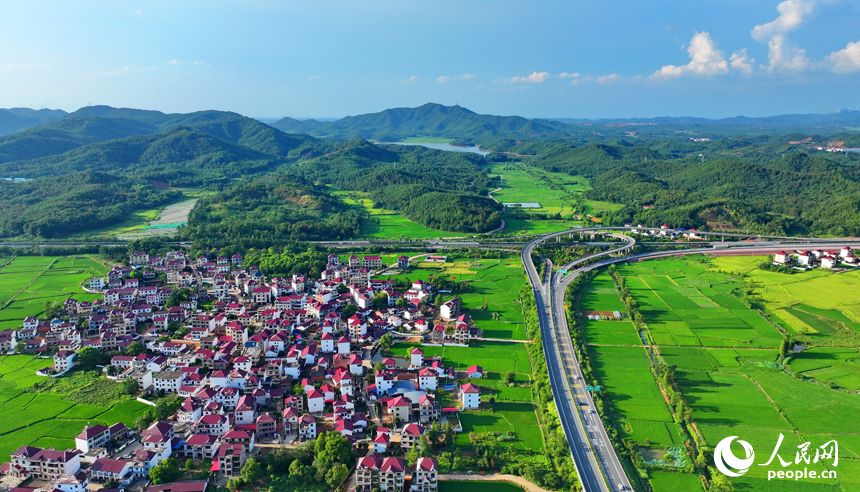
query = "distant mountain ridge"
x=17 y=119
x=840 y=119
x=103 y=123
x=432 y=120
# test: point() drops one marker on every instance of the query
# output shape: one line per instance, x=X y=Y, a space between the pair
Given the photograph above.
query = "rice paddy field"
x=28 y=282
x=726 y=357
x=477 y=486
x=499 y=357
x=494 y=287
x=516 y=418
x=53 y=418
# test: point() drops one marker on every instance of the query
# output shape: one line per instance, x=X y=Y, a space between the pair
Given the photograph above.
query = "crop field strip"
x=732 y=390
x=27 y=282
x=29 y=416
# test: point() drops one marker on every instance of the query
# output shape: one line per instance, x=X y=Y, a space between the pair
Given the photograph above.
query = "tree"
x=131 y=386
x=111 y=370
x=330 y=448
x=401 y=303
x=167 y=471
x=720 y=483
x=413 y=454
x=135 y=348
x=508 y=378
x=385 y=342
x=189 y=464
x=177 y=297
x=20 y=347
x=252 y=471
x=145 y=420
x=434 y=433
x=380 y=300
x=166 y=407
x=349 y=310
x=438 y=300
x=88 y=357
x=336 y=475
x=299 y=472
x=449 y=434
x=111 y=483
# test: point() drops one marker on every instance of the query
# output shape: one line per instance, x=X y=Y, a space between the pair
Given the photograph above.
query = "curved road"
x=592 y=452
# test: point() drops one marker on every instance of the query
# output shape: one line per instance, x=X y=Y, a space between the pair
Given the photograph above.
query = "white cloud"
x=313 y=77
x=608 y=79
x=791 y=15
x=175 y=62
x=565 y=75
x=444 y=79
x=845 y=60
x=782 y=53
x=535 y=78
x=138 y=12
x=705 y=59
x=741 y=61
x=411 y=79
x=197 y=62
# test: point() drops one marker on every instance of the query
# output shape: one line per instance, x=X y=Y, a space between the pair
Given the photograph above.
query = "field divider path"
x=12 y=299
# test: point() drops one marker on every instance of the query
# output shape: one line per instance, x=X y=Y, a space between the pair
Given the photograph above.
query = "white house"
x=416 y=357
x=427 y=379
x=470 y=396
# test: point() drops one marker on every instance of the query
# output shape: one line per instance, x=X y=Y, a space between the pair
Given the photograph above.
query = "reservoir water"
x=441 y=146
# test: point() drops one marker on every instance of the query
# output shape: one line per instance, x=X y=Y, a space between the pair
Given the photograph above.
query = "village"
x=803 y=260
x=274 y=362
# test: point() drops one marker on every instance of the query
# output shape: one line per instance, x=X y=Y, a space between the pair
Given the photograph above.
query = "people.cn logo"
x=723 y=456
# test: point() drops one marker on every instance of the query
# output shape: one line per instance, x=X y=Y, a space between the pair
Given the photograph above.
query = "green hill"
x=103 y=123
x=60 y=205
x=181 y=157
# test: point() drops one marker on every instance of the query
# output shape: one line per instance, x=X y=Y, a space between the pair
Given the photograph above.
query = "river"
x=441 y=146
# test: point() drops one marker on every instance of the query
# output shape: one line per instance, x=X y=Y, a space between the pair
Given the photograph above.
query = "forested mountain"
x=428 y=120
x=68 y=134
x=270 y=211
x=16 y=119
x=797 y=193
x=181 y=157
x=102 y=123
x=61 y=205
x=440 y=190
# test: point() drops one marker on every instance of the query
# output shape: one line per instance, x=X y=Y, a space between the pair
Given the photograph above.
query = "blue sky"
x=330 y=58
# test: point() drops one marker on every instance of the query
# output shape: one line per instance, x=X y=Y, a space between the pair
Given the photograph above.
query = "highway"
x=592 y=452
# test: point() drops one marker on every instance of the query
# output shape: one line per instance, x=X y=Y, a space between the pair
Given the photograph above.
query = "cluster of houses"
x=810 y=259
x=268 y=346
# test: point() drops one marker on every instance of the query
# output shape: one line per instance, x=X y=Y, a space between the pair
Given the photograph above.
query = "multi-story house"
x=43 y=464
x=375 y=472
x=425 y=478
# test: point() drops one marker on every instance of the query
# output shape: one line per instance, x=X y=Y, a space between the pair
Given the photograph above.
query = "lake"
x=440 y=146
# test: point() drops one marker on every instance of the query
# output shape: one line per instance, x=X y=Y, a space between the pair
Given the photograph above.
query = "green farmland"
x=28 y=282
x=52 y=416
x=727 y=362
x=494 y=286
